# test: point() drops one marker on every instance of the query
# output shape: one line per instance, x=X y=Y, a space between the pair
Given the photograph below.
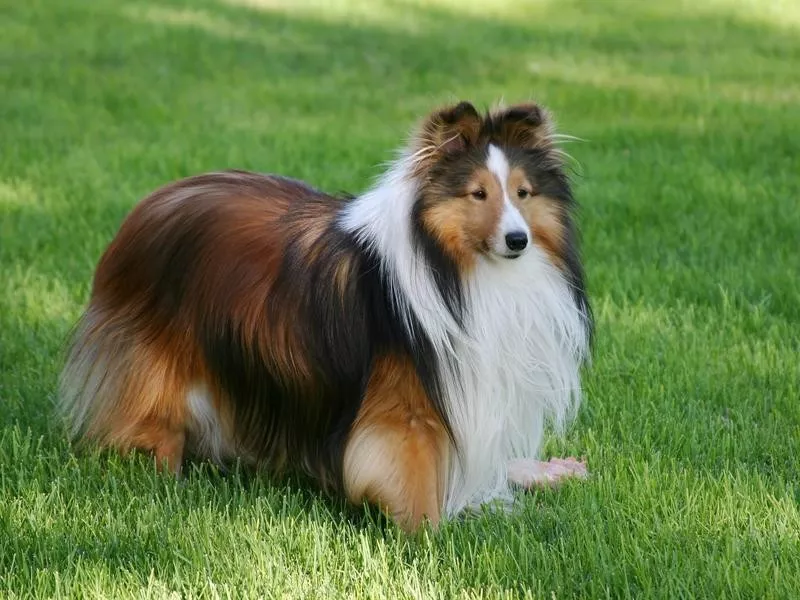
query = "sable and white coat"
x=404 y=347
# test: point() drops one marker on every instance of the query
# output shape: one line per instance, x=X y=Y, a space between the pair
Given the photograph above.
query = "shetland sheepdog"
x=405 y=347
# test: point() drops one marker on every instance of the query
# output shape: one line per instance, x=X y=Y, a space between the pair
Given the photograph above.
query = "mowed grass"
x=689 y=180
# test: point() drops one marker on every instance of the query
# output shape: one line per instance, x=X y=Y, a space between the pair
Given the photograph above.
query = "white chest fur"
x=516 y=368
x=513 y=367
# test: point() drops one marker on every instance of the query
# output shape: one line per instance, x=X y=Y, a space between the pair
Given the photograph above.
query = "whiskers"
x=558 y=140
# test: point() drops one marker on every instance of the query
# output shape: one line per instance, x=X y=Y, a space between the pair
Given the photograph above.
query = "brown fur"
x=523 y=126
x=543 y=215
x=397 y=448
x=546 y=220
x=236 y=261
x=396 y=456
x=462 y=225
x=443 y=132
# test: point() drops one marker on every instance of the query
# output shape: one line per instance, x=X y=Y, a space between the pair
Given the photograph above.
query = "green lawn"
x=689 y=178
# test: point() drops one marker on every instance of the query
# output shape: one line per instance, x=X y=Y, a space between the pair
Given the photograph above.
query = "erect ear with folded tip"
x=523 y=126
x=448 y=130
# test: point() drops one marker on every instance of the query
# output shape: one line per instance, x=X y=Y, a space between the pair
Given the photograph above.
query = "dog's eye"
x=522 y=193
x=479 y=195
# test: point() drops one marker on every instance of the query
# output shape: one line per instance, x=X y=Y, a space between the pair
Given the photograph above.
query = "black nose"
x=516 y=240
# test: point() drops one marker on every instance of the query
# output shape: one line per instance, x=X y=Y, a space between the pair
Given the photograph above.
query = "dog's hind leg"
x=126 y=394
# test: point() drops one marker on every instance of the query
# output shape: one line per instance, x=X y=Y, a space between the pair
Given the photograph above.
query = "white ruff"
x=515 y=363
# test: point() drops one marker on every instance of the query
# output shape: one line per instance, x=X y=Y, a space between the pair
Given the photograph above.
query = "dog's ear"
x=446 y=131
x=523 y=126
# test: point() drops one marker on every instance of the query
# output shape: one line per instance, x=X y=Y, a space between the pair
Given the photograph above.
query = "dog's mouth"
x=489 y=252
x=495 y=251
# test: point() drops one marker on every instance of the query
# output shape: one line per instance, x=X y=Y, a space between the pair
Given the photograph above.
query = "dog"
x=406 y=347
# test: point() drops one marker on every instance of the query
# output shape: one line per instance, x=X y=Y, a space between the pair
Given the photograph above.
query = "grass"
x=689 y=181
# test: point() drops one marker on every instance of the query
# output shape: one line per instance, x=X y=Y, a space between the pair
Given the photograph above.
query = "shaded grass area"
x=689 y=187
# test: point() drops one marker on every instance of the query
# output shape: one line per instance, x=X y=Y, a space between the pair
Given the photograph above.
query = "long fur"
x=511 y=367
x=372 y=342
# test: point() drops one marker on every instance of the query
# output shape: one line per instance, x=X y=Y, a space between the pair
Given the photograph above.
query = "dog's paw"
x=529 y=473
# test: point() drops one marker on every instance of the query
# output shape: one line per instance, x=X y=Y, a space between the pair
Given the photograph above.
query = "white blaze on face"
x=512 y=237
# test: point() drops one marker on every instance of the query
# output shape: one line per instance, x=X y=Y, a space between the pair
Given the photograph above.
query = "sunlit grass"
x=400 y=14
x=620 y=77
x=688 y=180
x=783 y=14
